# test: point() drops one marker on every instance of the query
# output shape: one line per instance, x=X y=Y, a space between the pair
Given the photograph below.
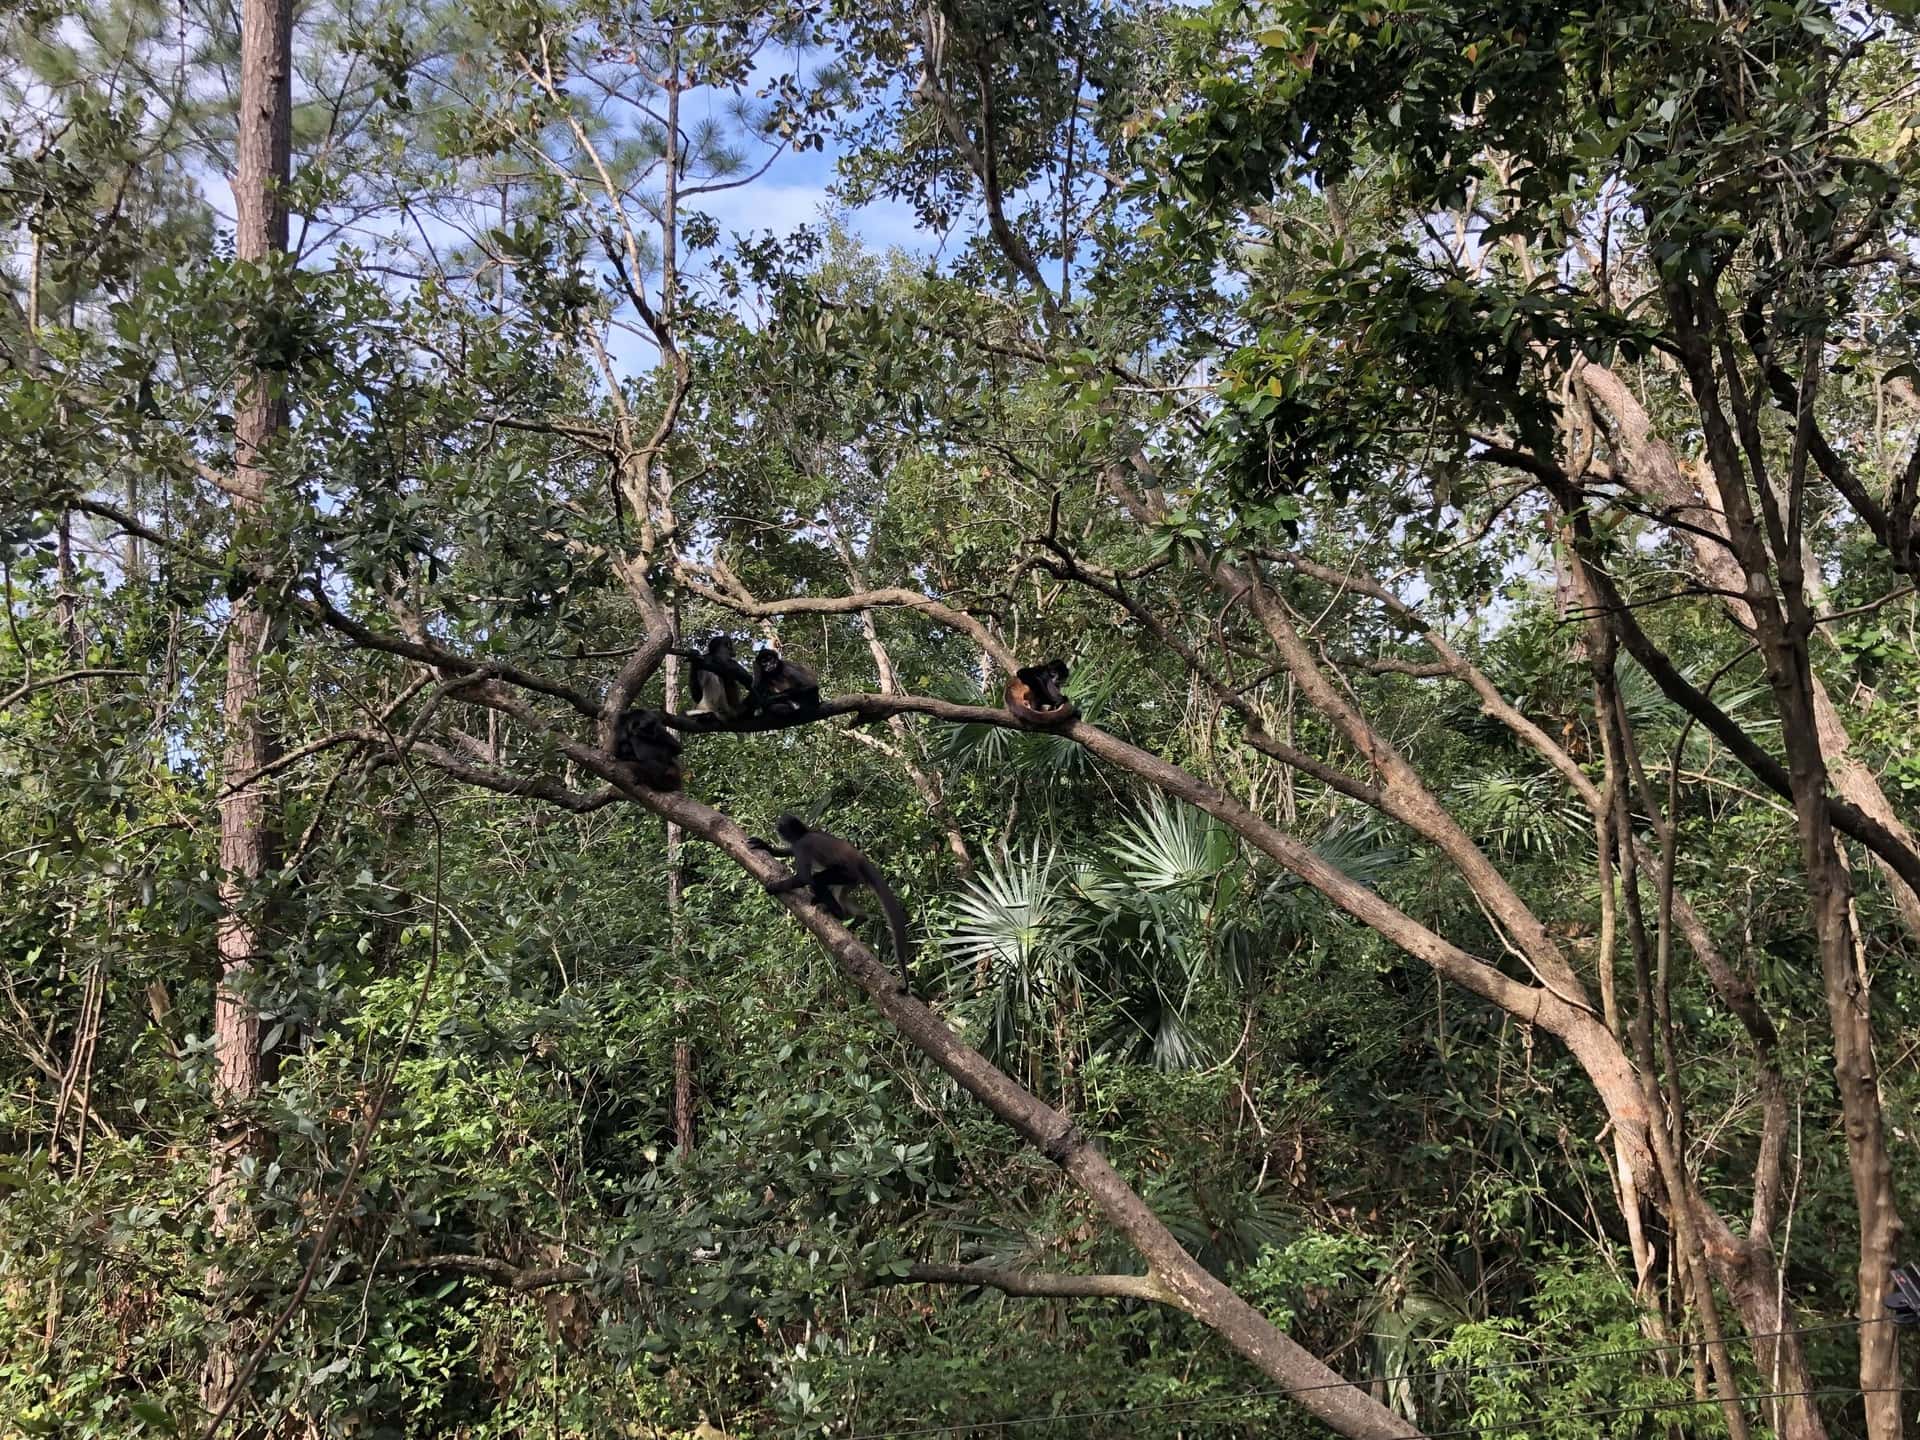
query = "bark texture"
x=246 y=821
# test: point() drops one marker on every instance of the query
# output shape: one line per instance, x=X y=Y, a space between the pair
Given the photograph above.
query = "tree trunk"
x=1653 y=472
x=246 y=825
x=1781 y=623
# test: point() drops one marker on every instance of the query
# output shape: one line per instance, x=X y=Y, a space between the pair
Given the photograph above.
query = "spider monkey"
x=783 y=687
x=719 y=681
x=827 y=863
x=642 y=740
x=1034 y=694
x=1905 y=1300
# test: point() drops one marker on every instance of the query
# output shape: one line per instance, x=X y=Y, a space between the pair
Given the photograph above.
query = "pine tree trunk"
x=246 y=824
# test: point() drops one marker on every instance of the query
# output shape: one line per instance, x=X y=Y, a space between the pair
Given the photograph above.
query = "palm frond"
x=1171 y=846
x=1517 y=813
x=1011 y=911
x=1357 y=843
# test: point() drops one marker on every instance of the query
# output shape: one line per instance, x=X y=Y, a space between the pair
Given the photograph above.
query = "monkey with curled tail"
x=1034 y=694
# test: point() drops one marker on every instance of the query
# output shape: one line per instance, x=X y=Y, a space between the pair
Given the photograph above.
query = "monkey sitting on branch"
x=827 y=864
x=1034 y=694
x=783 y=688
x=642 y=740
x=721 y=686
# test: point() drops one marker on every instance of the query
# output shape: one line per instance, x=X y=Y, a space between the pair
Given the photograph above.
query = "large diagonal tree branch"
x=1404 y=794
x=1188 y=1285
x=1573 y=1021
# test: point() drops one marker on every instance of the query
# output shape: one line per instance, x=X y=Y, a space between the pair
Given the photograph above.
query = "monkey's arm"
x=802 y=871
x=754 y=842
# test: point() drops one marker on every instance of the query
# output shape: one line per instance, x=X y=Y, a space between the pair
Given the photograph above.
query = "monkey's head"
x=766 y=663
x=1059 y=670
x=789 y=827
x=646 y=723
x=720 y=647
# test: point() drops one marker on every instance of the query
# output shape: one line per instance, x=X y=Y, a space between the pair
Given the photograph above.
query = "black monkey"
x=1904 y=1302
x=783 y=687
x=1034 y=694
x=828 y=863
x=720 y=683
x=642 y=739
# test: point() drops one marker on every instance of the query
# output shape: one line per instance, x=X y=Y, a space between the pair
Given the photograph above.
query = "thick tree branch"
x=316 y=605
x=1035 y=1284
x=513 y=1277
x=890 y=597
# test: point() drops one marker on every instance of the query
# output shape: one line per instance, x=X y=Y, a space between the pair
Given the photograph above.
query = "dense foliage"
x=1469 y=455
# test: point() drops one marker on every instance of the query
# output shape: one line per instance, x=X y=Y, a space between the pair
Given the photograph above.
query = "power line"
x=1445 y=1372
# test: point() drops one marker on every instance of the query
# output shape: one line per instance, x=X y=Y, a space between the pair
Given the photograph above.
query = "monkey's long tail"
x=897 y=922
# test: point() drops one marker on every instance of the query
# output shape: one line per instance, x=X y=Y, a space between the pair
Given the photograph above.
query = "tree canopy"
x=1455 y=971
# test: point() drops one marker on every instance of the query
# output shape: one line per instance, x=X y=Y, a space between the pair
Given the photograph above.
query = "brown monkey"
x=1034 y=694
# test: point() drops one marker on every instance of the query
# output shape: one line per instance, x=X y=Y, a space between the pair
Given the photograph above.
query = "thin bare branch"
x=1034 y=1283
